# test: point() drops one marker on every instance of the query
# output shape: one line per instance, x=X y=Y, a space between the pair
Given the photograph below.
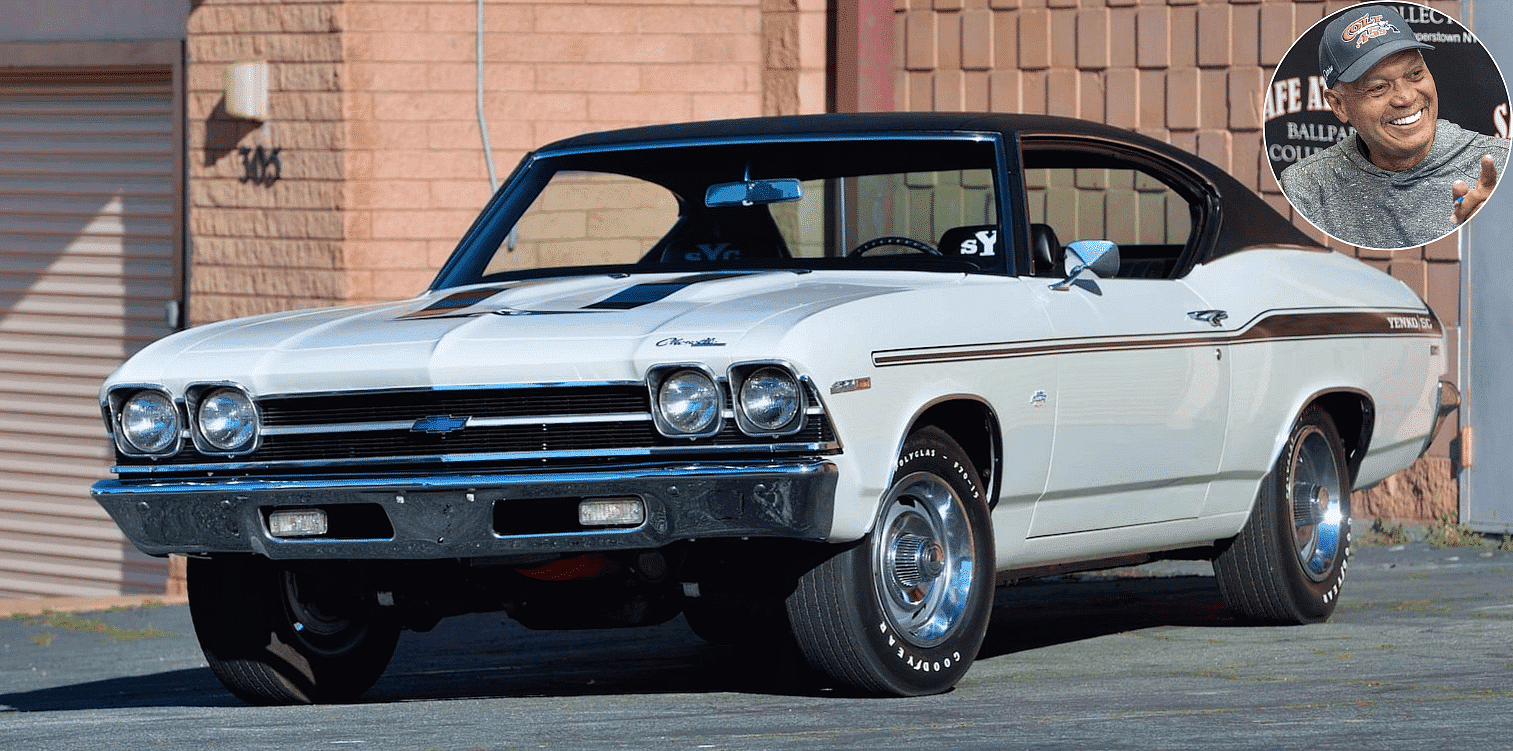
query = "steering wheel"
x=903 y=242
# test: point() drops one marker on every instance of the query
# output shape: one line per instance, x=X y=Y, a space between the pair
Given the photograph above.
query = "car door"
x=1142 y=384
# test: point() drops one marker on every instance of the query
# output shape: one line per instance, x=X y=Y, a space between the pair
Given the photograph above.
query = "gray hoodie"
x=1344 y=194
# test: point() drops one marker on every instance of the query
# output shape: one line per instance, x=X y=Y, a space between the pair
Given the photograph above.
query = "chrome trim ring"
x=738 y=375
x=194 y=400
x=1317 y=516
x=659 y=374
x=922 y=559
x=116 y=401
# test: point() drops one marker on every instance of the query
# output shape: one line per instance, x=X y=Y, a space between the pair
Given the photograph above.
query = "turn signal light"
x=298 y=523
x=611 y=512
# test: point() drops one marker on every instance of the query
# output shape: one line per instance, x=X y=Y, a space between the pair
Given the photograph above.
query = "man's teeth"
x=1409 y=120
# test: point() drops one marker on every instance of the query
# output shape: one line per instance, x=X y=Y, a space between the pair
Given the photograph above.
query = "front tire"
x=1288 y=564
x=270 y=639
x=904 y=611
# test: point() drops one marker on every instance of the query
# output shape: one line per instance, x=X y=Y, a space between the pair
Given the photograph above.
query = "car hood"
x=566 y=329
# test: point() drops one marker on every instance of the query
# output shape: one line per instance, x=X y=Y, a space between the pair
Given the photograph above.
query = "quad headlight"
x=148 y=423
x=770 y=400
x=686 y=402
x=226 y=420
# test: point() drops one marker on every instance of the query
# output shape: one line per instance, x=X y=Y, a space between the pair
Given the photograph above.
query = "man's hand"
x=1468 y=199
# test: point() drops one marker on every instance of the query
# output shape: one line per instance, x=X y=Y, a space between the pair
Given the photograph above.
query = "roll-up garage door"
x=89 y=263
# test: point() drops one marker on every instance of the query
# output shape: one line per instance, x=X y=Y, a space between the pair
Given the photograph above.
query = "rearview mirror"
x=752 y=192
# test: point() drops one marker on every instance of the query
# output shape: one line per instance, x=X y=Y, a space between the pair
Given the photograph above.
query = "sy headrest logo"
x=1367 y=28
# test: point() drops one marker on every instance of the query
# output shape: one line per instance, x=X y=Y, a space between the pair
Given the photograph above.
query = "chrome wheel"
x=1287 y=565
x=1316 y=513
x=923 y=559
x=903 y=612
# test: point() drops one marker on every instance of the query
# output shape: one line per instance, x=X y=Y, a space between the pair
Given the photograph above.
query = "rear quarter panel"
x=1306 y=323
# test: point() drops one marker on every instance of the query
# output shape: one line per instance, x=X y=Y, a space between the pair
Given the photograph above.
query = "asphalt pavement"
x=1418 y=656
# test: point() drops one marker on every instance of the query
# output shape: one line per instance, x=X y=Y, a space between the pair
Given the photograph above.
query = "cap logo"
x=1367 y=28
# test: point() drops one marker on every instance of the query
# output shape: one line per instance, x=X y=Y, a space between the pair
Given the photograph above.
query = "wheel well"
x=1354 y=417
x=975 y=428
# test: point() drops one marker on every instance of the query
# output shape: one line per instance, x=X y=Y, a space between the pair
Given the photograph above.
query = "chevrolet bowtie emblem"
x=438 y=424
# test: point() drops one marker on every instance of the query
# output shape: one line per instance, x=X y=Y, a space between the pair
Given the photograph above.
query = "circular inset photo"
x=1387 y=125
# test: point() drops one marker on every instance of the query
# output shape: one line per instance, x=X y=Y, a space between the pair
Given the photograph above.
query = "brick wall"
x=257 y=248
x=374 y=110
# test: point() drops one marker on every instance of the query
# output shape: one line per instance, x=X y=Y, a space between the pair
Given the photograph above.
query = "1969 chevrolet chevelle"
x=820 y=380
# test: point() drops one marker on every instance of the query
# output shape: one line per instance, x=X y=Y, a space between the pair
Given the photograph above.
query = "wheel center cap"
x=932 y=559
x=917 y=559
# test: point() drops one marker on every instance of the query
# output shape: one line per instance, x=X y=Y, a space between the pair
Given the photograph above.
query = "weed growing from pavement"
x=1444 y=533
x=1383 y=534
x=87 y=625
x=1448 y=534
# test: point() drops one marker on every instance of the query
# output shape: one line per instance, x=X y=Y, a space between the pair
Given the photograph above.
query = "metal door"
x=90 y=237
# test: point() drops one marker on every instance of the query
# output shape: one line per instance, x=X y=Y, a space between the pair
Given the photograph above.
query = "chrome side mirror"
x=1101 y=257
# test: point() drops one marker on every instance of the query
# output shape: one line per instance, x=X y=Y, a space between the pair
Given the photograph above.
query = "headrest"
x=1046 y=253
x=975 y=243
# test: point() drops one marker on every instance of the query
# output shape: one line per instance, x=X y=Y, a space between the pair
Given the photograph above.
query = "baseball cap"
x=1359 y=38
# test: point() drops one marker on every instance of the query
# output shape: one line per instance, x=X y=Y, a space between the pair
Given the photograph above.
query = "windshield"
x=916 y=203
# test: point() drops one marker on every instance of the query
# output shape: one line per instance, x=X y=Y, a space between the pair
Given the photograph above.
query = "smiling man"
x=1406 y=178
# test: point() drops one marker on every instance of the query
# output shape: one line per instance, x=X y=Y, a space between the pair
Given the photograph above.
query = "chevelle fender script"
x=821 y=380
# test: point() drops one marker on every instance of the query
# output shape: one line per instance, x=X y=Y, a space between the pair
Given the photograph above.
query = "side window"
x=1149 y=220
x=584 y=218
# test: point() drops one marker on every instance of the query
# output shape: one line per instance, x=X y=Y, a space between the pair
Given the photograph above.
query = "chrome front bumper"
x=456 y=516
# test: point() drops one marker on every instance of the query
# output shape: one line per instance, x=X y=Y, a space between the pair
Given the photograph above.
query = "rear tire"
x=1288 y=564
x=270 y=645
x=904 y=611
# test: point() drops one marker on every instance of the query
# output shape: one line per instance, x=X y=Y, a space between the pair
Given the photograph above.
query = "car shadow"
x=1041 y=613
x=190 y=687
x=489 y=656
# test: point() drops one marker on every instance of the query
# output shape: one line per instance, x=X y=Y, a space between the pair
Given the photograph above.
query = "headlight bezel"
x=119 y=401
x=661 y=375
x=198 y=395
x=741 y=377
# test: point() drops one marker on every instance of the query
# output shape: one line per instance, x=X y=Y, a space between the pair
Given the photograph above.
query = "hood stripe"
x=454 y=302
x=644 y=294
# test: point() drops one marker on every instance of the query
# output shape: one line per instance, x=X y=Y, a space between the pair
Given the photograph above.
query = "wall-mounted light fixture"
x=247 y=98
x=247 y=89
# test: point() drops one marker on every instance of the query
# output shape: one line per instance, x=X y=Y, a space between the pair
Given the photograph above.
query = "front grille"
x=548 y=424
x=413 y=405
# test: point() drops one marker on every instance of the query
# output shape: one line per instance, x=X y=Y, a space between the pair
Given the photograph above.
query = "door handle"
x=1215 y=317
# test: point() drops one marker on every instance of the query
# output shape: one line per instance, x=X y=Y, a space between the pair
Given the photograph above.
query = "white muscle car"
x=833 y=376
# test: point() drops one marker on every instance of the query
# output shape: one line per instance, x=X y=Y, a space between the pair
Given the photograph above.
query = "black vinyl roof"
x=835 y=124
